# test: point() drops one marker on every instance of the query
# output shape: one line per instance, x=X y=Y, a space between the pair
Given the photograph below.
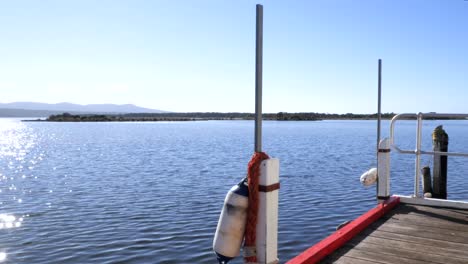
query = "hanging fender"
x=369 y=177
x=232 y=221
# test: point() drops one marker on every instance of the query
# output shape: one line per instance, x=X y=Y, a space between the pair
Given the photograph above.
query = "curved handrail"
x=418 y=152
x=423 y=115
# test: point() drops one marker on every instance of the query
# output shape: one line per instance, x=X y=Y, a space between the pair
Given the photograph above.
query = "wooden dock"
x=409 y=234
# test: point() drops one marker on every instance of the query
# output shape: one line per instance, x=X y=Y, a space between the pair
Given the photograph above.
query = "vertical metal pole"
x=379 y=106
x=258 y=79
x=379 y=116
x=418 y=155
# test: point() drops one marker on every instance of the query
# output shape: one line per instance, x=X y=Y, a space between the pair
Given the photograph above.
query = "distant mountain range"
x=33 y=109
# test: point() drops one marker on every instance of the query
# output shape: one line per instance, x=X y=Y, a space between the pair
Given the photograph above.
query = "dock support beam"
x=440 y=143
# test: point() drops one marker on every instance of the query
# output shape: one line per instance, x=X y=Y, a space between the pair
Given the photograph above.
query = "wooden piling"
x=440 y=143
x=427 y=185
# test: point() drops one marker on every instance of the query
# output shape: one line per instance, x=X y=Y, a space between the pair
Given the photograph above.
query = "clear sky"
x=319 y=56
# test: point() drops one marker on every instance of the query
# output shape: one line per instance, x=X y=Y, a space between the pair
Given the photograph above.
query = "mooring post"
x=267 y=222
x=267 y=225
x=383 y=170
x=427 y=185
x=440 y=143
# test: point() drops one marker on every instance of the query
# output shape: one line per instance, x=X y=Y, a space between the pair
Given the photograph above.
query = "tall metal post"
x=379 y=106
x=258 y=79
x=379 y=117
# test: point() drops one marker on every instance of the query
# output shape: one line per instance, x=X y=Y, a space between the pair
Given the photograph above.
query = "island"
x=203 y=116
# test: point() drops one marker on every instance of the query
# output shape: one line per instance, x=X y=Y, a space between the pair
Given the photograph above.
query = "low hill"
x=33 y=109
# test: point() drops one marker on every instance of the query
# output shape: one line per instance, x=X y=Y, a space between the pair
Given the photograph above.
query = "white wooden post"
x=383 y=170
x=267 y=225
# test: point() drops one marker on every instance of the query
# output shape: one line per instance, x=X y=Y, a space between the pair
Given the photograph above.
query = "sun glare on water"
x=15 y=140
x=16 y=143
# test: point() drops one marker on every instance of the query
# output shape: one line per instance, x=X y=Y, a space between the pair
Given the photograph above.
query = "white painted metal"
x=458 y=154
x=267 y=225
x=423 y=115
x=383 y=174
x=433 y=202
x=231 y=225
x=417 y=167
x=424 y=152
x=392 y=125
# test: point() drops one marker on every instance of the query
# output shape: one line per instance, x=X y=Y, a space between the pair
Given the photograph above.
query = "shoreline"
x=177 y=117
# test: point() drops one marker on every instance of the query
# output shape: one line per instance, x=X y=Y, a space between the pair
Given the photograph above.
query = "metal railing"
x=418 y=152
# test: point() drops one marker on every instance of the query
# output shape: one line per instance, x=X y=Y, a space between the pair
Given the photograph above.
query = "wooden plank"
x=444 y=250
x=429 y=223
x=444 y=213
x=409 y=234
x=457 y=213
x=432 y=217
x=460 y=248
x=462 y=232
x=349 y=260
x=349 y=251
x=330 y=244
x=412 y=252
x=434 y=202
x=421 y=232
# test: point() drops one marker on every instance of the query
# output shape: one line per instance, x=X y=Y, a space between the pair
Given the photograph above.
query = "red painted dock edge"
x=327 y=246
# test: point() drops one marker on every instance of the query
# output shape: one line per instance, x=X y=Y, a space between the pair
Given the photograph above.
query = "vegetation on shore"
x=66 y=117
x=199 y=116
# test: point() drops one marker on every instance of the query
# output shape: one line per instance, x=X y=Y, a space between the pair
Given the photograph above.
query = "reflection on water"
x=18 y=156
x=15 y=140
x=17 y=162
x=10 y=221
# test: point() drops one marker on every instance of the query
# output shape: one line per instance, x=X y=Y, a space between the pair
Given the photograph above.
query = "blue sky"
x=319 y=56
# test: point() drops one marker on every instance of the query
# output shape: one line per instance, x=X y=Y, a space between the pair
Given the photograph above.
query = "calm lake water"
x=152 y=192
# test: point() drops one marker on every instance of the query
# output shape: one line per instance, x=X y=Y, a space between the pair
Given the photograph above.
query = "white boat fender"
x=369 y=177
x=231 y=225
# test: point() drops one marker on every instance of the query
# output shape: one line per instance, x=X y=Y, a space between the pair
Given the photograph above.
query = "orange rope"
x=252 y=213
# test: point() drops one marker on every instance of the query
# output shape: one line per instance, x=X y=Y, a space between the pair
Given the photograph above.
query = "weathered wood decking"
x=410 y=234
